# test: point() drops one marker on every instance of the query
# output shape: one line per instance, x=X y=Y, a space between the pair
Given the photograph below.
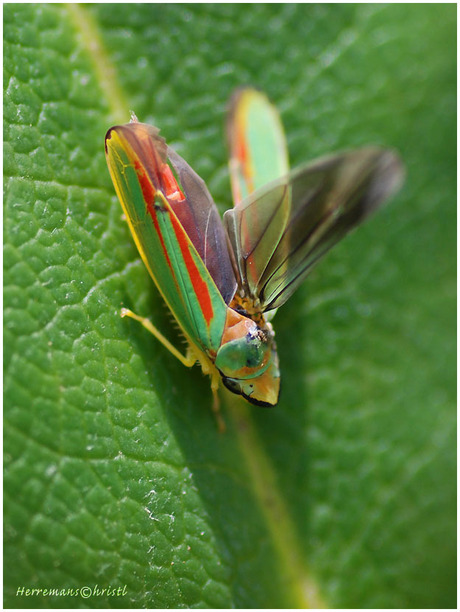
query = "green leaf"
x=115 y=474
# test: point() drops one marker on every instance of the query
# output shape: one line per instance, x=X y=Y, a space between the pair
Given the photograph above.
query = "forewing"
x=203 y=224
x=256 y=141
x=193 y=204
x=147 y=190
x=258 y=155
x=328 y=199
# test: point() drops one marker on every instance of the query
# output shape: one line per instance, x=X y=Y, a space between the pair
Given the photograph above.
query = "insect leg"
x=216 y=404
x=188 y=360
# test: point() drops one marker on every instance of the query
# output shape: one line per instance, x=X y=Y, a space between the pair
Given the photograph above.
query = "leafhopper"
x=223 y=280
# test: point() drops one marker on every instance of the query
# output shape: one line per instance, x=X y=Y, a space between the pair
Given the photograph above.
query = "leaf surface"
x=115 y=474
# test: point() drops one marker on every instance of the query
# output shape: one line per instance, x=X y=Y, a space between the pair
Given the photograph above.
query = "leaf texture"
x=115 y=475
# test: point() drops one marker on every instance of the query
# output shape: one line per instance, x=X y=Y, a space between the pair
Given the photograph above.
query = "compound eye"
x=243 y=357
x=232 y=385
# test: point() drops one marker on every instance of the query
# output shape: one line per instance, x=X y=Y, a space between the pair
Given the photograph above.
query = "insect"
x=223 y=281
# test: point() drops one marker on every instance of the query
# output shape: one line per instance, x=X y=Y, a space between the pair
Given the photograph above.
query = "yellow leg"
x=188 y=360
x=216 y=404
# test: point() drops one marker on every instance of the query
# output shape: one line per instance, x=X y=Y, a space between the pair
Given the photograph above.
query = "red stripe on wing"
x=148 y=191
x=199 y=285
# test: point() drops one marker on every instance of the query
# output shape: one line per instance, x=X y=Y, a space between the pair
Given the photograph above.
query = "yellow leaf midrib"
x=88 y=32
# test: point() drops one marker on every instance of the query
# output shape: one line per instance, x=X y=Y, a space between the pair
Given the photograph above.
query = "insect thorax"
x=249 y=307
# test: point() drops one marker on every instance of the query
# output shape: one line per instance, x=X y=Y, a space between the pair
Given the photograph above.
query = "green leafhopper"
x=222 y=280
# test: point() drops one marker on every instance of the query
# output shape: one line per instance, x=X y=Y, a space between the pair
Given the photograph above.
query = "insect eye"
x=232 y=385
x=247 y=352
